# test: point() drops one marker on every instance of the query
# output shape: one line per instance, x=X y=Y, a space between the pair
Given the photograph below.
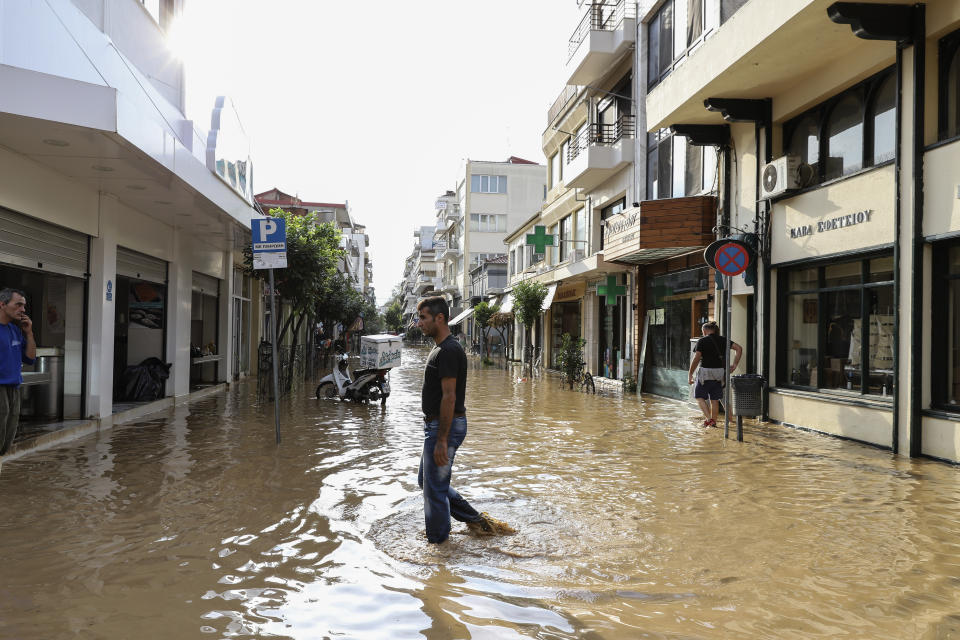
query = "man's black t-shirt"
x=446 y=360
x=712 y=350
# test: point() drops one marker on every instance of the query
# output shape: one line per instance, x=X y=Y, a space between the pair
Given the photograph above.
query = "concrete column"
x=179 y=306
x=225 y=330
x=101 y=320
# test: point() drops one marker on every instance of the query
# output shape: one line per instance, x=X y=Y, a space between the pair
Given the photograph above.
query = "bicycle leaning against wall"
x=571 y=364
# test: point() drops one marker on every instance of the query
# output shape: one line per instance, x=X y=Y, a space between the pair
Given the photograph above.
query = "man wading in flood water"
x=445 y=427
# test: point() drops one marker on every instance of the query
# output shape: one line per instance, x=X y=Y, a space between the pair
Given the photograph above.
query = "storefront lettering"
x=832 y=224
x=622 y=224
x=570 y=292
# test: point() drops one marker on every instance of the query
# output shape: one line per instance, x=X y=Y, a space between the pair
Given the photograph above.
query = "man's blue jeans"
x=440 y=500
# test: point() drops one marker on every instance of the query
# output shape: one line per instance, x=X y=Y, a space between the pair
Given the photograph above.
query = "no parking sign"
x=729 y=257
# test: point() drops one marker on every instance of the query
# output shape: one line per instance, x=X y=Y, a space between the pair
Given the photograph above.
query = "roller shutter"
x=207 y=285
x=140 y=266
x=35 y=244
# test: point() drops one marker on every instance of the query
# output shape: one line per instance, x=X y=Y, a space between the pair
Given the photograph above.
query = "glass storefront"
x=140 y=328
x=945 y=356
x=612 y=321
x=53 y=386
x=241 y=323
x=565 y=319
x=677 y=305
x=827 y=314
x=205 y=358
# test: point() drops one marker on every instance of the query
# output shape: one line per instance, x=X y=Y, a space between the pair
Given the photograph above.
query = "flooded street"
x=633 y=522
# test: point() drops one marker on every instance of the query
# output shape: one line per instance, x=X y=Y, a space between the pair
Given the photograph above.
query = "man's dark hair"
x=435 y=305
x=6 y=295
x=713 y=326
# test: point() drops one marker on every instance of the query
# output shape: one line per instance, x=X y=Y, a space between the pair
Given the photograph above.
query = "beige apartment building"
x=472 y=221
x=590 y=145
x=837 y=129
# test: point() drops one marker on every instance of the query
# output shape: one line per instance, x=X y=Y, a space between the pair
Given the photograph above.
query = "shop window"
x=677 y=306
x=566 y=234
x=554 y=248
x=949 y=119
x=609 y=211
x=829 y=313
x=883 y=112
x=52 y=388
x=693 y=171
x=805 y=141
x=842 y=135
x=676 y=169
x=677 y=27
x=945 y=355
x=845 y=137
x=580 y=232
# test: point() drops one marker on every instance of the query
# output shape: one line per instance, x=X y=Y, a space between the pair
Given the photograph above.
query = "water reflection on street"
x=633 y=522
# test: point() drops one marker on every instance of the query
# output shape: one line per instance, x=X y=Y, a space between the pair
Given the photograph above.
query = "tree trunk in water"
x=286 y=325
x=293 y=348
x=309 y=348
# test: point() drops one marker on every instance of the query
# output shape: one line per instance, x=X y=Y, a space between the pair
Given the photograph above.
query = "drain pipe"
x=762 y=311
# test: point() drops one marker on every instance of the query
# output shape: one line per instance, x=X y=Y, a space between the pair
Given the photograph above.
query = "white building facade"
x=472 y=221
x=121 y=218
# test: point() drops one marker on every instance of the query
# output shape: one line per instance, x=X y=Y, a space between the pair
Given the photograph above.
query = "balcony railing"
x=624 y=127
x=601 y=16
x=569 y=93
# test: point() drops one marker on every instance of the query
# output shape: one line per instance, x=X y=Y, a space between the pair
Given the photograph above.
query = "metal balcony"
x=607 y=31
x=600 y=151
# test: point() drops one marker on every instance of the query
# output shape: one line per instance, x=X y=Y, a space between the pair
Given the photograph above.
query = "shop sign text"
x=831 y=224
x=624 y=223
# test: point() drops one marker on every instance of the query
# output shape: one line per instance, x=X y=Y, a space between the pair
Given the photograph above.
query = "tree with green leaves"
x=313 y=251
x=393 y=316
x=528 y=297
x=570 y=359
x=482 y=313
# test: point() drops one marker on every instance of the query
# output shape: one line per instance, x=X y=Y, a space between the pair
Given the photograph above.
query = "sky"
x=378 y=102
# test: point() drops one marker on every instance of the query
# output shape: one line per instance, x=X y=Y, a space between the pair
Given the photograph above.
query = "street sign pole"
x=274 y=357
x=269 y=247
x=730 y=258
x=726 y=365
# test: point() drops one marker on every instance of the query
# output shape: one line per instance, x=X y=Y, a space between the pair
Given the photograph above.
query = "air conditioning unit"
x=577 y=255
x=780 y=176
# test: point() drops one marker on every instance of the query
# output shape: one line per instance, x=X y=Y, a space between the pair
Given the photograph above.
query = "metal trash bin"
x=747 y=394
x=49 y=396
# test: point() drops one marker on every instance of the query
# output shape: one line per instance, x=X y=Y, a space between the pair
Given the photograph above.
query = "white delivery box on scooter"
x=380 y=351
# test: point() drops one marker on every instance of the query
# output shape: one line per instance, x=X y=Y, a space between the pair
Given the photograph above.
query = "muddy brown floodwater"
x=634 y=522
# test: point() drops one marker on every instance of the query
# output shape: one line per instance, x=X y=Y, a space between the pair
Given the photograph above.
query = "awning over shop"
x=461 y=317
x=506 y=305
x=551 y=290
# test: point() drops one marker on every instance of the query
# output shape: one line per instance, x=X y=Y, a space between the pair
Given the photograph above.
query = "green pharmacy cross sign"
x=539 y=239
x=611 y=290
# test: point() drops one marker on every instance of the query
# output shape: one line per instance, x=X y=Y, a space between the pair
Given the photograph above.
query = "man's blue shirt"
x=13 y=354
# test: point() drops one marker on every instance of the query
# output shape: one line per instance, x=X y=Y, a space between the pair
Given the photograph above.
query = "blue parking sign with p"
x=269 y=243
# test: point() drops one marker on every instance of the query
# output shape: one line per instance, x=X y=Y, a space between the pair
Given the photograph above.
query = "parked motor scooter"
x=363 y=385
